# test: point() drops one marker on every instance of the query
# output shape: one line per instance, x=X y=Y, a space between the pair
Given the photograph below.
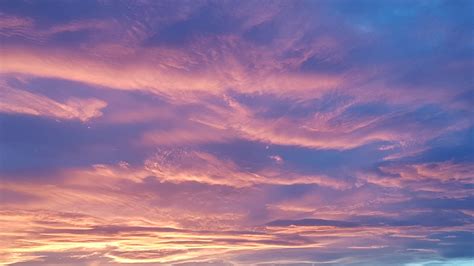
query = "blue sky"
x=236 y=132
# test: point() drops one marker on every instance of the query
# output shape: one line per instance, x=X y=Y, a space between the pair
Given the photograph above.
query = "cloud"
x=69 y=232
x=14 y=25
x=111 y=221
x=443 y=218
x=188 y=165
x=311 y=222
x=235 y=133
x=156 y=76
x=24 y=102
x=427 y=176
x=442 y=171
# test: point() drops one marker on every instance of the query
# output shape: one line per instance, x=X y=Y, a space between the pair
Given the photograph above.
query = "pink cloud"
x=24 y=102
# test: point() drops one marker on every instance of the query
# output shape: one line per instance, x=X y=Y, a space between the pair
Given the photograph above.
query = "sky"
x=236 y=132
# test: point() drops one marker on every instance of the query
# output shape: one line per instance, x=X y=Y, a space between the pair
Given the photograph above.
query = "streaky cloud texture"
x=236 y=132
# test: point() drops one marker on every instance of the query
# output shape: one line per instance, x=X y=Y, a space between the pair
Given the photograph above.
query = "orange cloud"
x=96 y=212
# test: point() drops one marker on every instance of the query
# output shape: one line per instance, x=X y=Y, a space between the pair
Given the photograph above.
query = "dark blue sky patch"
x=270 y=106
x=262 y=34
x=72 y=38
x=320 y=65
x=33 y=143
x=455 y=146
x=253 y=156
x=207 y=21
x=51 y=12
x=437 y=218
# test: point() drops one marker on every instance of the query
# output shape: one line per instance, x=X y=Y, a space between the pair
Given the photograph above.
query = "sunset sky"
x=236 y=132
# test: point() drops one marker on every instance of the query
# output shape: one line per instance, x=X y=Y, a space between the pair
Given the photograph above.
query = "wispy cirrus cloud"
x=24 y=102
x=236 y=133
x=167 y=79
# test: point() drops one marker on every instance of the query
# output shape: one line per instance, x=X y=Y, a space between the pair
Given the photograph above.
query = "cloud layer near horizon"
x=236 y=132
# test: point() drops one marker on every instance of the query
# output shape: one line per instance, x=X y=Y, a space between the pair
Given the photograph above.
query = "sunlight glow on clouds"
x=236 y=132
